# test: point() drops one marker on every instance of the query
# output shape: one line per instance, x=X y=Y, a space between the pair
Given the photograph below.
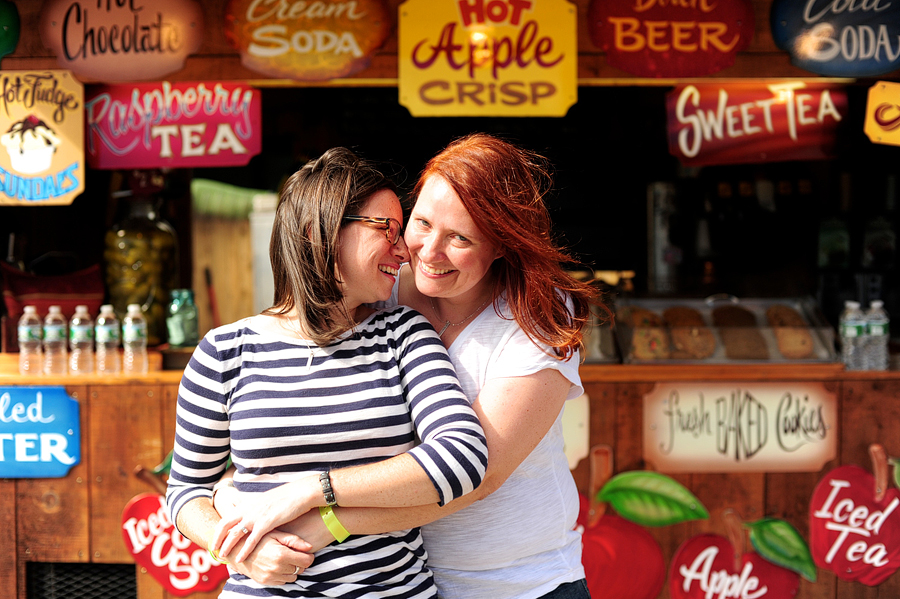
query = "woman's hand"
x=312 y=529
x=261 y=513
x=278 y=558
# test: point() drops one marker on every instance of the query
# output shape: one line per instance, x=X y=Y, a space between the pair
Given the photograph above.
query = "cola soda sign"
x=181 y=566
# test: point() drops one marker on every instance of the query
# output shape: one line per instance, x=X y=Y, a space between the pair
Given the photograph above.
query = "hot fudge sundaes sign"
x=42 y=138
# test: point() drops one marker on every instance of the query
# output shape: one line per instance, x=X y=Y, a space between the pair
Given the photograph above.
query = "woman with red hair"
x=486 y=273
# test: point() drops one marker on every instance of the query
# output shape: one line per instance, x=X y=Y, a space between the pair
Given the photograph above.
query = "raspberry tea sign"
x=172 y=125
x=740 y=427
x=181 y=566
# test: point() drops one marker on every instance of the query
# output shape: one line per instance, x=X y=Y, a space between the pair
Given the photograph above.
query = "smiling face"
x=367 y=263
x=449 y=255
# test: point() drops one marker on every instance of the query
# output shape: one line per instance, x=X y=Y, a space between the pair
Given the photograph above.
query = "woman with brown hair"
x=322 y=400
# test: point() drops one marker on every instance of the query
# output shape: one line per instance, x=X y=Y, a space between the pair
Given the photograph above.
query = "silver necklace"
x=447 y=323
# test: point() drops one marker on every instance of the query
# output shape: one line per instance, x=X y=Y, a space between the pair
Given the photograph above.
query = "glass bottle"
x=141 y=257
x=182 y=319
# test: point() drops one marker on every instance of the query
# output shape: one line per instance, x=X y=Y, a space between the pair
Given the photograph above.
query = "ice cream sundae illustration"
x=31 y=144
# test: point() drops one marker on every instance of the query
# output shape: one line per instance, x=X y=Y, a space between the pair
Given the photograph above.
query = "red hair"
x=502 y=186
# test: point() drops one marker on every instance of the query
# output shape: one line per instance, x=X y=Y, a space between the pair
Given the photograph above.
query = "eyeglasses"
x=391 y=227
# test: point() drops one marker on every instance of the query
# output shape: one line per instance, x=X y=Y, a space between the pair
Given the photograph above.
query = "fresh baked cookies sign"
x=42 y=134
x=740 y=427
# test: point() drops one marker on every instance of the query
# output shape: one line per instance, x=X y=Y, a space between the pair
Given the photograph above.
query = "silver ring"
x=244 y=530
x=296 y=571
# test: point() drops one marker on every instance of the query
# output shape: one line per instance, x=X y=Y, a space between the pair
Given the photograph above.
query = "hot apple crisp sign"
x=487 y=57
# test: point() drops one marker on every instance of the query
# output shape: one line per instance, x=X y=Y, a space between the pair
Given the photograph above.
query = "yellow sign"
x=42 y=138
x=488 y=57
x=883 y=113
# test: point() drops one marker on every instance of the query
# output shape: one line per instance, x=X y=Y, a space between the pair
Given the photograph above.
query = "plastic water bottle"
x=55 y=354
x=134 y=340
x=29 y=335
x=81 y=342
x=853 y=336
x=878 y=332
x=107 y=336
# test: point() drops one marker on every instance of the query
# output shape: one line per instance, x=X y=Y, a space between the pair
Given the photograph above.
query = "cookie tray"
x=822 y=334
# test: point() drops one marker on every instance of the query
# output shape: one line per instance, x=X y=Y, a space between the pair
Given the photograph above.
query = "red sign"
x=177 y=563
x=662 y=38
x=307 y=41
x=133 y=40
x=705 y=567
x=753 y=122
x=159 y=125
x=852 y=533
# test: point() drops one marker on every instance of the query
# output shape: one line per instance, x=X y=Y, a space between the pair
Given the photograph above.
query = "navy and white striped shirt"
x=283 y=408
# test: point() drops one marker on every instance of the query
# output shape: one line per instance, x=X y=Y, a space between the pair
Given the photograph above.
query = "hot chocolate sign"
x=740 y=427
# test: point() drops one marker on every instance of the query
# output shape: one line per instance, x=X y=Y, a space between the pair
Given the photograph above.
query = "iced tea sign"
x=42 y=134
x=740 y=427
x=40 y=432
x=177 y=125
x=487 y=57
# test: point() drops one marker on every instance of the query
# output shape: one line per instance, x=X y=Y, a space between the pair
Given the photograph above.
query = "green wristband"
x=333 y=524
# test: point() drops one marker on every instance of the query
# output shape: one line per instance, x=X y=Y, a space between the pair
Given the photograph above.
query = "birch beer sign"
x=740 y=427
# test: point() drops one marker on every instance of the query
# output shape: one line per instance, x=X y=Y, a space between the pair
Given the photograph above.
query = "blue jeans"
x=570 y=590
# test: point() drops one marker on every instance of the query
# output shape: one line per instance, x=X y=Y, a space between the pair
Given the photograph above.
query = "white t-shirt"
x=519 y=542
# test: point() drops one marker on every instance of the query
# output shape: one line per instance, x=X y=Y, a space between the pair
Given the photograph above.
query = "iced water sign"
x=40 y=433
x=841 y=38
x=487 y=57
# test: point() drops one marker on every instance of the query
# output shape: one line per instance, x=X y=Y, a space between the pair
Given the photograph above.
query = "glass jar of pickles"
x=141 y=256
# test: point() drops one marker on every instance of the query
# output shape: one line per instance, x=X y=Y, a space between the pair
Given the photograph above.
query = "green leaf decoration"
x=894 y=462
x=651 y=499
x=780 y=543
x=165 y=466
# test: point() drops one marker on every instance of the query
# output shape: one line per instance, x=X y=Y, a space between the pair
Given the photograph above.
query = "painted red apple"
x=704 y=566
x=853 y=533
x=177 y=563
x=621 y=559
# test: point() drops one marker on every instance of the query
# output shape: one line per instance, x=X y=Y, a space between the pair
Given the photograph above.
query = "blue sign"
x=839 y=38
x=40 y=432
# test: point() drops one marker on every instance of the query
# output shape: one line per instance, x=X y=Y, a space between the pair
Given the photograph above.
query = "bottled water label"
x=877 y=328
x=851 y=330
x=134 y=332
x=107 y=334
x=80 y=333
x=54 y=332
x=31 y=332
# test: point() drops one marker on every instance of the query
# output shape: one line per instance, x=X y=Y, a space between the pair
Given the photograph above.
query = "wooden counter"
x=128 y=421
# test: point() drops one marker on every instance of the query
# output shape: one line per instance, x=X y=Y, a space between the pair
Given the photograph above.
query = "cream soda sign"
x=40 y=433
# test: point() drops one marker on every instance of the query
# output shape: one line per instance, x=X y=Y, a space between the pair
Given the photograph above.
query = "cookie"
x=791 y=333
x=649 y=343
x=741 y=338
x=691 y=338
x=642 y=317
x=733 y=316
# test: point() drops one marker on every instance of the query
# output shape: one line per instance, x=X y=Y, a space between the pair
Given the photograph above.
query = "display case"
x=723 y=329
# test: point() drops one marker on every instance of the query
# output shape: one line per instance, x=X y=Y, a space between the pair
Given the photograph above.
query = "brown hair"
x=304 y=243
x=502 y=186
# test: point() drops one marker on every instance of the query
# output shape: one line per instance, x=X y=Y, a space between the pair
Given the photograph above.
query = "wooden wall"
x=218 y=60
